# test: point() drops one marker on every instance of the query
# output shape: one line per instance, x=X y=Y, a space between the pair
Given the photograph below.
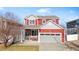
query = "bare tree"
x=10 y=15
x=9 y=30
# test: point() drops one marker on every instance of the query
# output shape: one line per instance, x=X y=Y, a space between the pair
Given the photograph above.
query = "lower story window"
x=34 y=32
x=72 y=31
x=26 y=34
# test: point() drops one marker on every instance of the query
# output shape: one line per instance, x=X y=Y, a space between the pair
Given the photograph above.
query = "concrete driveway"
x=52 y=47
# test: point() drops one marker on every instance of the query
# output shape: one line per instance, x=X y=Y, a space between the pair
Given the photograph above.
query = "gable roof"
x=51 y=25
x=42 y=17
x=48 y=17
x=31 y=16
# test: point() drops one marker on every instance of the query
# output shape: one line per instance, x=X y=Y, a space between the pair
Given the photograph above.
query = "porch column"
x=21 y=36
x=38 y=36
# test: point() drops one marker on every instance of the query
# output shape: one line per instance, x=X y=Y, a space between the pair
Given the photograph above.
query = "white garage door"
x=50 y=37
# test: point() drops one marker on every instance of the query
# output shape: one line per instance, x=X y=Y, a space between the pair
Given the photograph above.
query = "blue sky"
x=64 y=13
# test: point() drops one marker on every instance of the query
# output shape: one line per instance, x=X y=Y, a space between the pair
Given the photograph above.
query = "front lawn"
x=17 y=47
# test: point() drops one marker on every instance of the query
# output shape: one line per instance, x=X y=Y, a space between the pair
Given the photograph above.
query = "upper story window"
x=43 y=21
x=32 y=22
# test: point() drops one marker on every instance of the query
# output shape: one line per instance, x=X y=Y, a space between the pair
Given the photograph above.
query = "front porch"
x=31 y=34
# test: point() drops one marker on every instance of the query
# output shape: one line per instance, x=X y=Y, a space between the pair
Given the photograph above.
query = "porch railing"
x=33 y=38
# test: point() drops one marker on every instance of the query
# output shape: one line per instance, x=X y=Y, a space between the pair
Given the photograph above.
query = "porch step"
x=73 y=45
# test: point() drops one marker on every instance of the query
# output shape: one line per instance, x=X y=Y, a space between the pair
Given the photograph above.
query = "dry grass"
x=17 y=47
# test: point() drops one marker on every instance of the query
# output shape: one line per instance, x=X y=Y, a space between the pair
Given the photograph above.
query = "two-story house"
x=43 y=29
x=73 y=30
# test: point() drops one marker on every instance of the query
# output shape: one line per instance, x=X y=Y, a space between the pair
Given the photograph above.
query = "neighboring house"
x=73 y=30
x=43 y=29
x=11 y=28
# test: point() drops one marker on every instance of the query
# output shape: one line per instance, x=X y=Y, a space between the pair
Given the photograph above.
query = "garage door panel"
x=50 y=38
x=57 y=38
x=45 y=38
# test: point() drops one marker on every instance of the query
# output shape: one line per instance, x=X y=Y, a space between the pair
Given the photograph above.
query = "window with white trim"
x=32 y=22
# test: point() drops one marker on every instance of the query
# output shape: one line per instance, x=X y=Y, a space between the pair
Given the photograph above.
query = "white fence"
x=72 y=37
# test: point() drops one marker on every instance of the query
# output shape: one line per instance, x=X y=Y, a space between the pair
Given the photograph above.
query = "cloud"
x=44 y=10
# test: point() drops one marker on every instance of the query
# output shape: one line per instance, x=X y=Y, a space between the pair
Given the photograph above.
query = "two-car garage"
x=50 y=37
x=50 y=41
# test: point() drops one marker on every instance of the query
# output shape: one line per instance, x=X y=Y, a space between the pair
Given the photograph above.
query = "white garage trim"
x=39 y=35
